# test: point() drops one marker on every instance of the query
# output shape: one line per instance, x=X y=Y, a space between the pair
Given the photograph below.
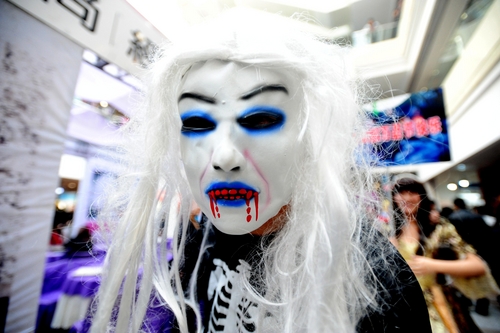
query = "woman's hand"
x=471 y=265
x=421 y=265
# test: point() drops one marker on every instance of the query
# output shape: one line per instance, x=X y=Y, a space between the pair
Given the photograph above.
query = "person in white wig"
x=260 y=125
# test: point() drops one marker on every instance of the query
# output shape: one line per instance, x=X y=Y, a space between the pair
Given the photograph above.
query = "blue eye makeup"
x=260 y=119
x=195 y=123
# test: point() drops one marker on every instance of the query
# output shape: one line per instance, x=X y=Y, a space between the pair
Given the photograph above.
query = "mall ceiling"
x=429 y=47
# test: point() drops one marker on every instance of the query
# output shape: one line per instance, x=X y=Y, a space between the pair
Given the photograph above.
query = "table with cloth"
x=58 y=279
x=77 y=292
x=158 y=318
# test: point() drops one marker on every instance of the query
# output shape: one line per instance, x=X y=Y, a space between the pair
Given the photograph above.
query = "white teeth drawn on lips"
x=234 y=194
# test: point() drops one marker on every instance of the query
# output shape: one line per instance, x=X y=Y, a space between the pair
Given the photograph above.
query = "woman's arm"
x=472 y=265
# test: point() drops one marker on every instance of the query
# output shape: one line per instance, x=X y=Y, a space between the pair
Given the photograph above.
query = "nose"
x=227 y=157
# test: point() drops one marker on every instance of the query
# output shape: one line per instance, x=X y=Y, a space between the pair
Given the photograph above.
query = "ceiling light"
x=59 y=190
x=461 y=167
x=463 y=183
x=452 y=186
x=132 y=80
x=61 y=205
x=90 y=57
x=113 y=70
x=72 y=167
x=103 y=104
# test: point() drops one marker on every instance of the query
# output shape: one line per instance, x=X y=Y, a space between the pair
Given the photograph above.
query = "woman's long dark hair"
x=424 y=208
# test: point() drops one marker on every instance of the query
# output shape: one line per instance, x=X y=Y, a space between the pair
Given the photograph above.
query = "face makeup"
x=239 y=141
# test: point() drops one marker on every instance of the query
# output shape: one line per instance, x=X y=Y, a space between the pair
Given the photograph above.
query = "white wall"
x=474 y=129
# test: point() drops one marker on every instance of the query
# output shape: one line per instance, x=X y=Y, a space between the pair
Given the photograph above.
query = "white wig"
x=317 y=277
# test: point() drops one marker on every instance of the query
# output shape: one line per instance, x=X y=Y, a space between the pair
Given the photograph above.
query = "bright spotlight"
x=463 y=183
x=452 y=186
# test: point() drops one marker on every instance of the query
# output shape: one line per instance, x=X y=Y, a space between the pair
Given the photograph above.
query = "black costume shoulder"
x=402 y=305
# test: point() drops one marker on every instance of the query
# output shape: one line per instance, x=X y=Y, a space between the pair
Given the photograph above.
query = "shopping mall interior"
x=84 y=61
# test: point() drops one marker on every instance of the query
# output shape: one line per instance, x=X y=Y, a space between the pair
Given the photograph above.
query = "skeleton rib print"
x=232 y=311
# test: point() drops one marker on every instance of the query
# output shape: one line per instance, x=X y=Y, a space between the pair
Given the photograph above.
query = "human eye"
x=258 y=119
x=197 y=124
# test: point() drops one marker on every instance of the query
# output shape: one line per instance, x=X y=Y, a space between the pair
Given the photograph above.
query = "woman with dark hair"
x=437 y=255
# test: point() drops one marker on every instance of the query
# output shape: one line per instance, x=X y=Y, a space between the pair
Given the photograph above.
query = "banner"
x=37 y=78
x=411 y=132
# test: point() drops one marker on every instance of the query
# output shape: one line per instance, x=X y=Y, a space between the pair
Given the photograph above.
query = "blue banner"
x=415 y=131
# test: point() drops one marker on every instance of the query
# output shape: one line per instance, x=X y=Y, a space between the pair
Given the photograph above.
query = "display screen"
x=414 y=131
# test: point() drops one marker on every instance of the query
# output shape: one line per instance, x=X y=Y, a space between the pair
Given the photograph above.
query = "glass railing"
x=377 y=34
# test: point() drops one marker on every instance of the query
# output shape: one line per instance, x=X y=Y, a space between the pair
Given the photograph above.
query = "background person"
x=434 y=251
x=474 y=230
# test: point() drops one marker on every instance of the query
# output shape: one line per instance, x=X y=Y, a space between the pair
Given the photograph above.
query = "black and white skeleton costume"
x=228 y=306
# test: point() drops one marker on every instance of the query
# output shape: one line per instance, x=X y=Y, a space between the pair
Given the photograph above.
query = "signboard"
x=111 y=28
x=411 y=132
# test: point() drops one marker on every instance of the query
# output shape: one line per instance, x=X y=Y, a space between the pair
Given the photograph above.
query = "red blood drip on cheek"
x=249 y=218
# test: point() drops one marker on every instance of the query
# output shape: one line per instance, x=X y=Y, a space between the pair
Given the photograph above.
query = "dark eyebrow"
x=198 y=97
x=261 y=89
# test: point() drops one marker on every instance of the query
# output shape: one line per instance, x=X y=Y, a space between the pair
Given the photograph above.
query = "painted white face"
x=239 y=141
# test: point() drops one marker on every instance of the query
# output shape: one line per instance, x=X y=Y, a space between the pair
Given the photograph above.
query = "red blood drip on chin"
x=216 y=208
x=218 y=215
x=256 y=199
x=249 y=217
x=212 y=201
